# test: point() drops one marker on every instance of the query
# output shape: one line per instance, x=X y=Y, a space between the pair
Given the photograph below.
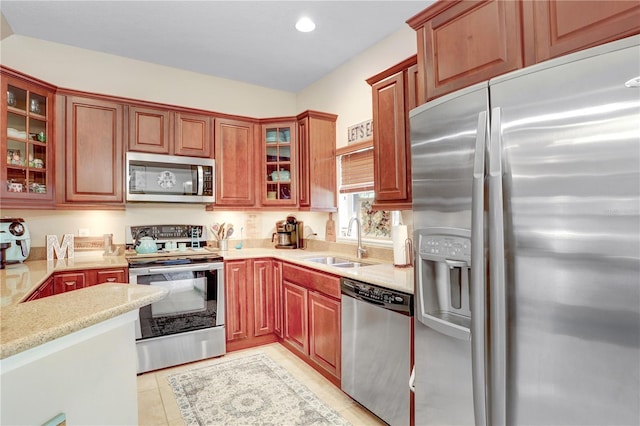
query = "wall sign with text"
x=360 y=132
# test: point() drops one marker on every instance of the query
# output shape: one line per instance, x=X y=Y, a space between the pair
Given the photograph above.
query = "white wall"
x=92 y=381
x=343 y=92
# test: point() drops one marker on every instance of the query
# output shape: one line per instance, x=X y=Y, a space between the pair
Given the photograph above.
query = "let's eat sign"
x=360 y=132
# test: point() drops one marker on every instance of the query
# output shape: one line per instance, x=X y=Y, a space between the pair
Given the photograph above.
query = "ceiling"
x=250 y=41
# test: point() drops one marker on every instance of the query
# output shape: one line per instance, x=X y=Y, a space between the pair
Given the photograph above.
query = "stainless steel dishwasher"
x=376 y=349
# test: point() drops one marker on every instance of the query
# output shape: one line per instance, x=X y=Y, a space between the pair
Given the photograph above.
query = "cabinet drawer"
x=102 y=276
x=321 y=282
x=68 y=281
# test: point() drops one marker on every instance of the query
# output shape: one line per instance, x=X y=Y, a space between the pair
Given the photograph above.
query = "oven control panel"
x=165 y=232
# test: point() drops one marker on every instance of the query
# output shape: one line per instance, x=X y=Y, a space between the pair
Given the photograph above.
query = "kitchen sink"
x=338 y=262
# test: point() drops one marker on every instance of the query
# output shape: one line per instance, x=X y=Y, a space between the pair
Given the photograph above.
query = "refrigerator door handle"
x=478 y=315
x=497 y=285
x=412 y=380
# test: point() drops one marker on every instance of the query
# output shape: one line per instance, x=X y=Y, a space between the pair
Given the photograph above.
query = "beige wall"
x=343 y=92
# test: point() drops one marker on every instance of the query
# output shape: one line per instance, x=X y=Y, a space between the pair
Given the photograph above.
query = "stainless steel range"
x=187 y=325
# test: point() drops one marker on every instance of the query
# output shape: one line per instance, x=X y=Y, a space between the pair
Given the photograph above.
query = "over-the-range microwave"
x=170 y=178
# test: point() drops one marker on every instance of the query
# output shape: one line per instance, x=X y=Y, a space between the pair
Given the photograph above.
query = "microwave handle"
x=200 y=180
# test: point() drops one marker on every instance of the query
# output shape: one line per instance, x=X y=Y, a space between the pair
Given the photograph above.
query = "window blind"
x=356 y=171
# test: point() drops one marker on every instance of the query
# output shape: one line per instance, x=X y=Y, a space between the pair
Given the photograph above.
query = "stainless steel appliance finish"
x=170 y=178
x=188 y=324
x=528 y=212
x=376 y=342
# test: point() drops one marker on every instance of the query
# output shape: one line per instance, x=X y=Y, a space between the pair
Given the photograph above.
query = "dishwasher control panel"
x=388 y=299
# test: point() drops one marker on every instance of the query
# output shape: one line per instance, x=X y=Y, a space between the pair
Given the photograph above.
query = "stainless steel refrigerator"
x=526 y=210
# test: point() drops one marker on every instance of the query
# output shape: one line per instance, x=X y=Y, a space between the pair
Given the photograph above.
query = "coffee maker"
x=15 y=232
x=289 y=234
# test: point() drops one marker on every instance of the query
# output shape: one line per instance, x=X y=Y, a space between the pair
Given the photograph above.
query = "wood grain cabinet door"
x=295 y=324
x=466 y=42
x=236 y=280
x=561 y=27
x=324 y=332
x=193 y=135
x=390 y=140
x=235 y=163
x=149 y=130
x=263 y=298
x=94 y=148
x=277 y=305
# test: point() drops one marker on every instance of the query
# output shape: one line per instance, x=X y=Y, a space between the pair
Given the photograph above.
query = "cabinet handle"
x=70 y=282
x=111 y=280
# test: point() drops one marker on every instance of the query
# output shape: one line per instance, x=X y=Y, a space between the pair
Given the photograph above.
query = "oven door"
x=195 y=300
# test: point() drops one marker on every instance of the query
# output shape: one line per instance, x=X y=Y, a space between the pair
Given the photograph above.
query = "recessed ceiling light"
x=305 y=25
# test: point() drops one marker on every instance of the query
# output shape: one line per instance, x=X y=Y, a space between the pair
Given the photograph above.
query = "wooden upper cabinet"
x=92 y=152
x=26 y=141
x=554 y=28
x=165 y=131
x=394 y=91
x=279 y=164
x=192 y=135
x=235 y=163
x=317 y=161
x=464 y=42
x=149 y=130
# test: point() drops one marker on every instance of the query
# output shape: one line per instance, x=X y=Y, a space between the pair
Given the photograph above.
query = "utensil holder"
x=223 y=245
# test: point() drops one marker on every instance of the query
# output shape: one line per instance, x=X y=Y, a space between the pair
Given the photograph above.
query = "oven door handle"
x=190 y=268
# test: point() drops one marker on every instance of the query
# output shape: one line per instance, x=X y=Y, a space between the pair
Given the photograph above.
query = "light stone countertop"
x=26 y=325
x=381 y=273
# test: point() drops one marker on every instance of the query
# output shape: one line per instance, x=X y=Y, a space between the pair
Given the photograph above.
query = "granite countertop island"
x=24 y=326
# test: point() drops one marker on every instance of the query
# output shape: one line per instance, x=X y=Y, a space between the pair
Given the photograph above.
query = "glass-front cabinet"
x=280 y=176
x=26 y=140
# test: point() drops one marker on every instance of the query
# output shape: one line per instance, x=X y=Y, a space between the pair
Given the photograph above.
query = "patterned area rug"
x=252 y=390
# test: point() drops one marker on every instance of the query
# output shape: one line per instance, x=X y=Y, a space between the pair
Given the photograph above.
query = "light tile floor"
x=157 y=405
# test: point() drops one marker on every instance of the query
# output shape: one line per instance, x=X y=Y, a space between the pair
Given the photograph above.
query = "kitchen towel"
x=399 y=237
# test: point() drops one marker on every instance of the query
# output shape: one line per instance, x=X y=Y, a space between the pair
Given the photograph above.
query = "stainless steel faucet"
x=361 y=250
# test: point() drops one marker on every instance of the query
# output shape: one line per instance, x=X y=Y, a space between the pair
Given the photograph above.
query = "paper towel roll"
x=399 y=238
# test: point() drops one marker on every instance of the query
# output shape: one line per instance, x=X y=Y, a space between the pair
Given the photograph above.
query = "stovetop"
x=168 y=258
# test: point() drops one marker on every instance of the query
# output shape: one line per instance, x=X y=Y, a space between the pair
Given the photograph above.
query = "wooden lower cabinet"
x=249 y=306
x=277 y=305
x=107 y=276
x=62 y=282
x=295 y=324
x=312 y=318
x=44 y=290
x=324 y=326
x=68 y=281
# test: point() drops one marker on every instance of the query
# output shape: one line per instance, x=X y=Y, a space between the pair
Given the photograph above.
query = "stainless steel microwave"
x=169 y=178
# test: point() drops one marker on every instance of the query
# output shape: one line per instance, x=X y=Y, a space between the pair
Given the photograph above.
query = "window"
x=356 y=195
